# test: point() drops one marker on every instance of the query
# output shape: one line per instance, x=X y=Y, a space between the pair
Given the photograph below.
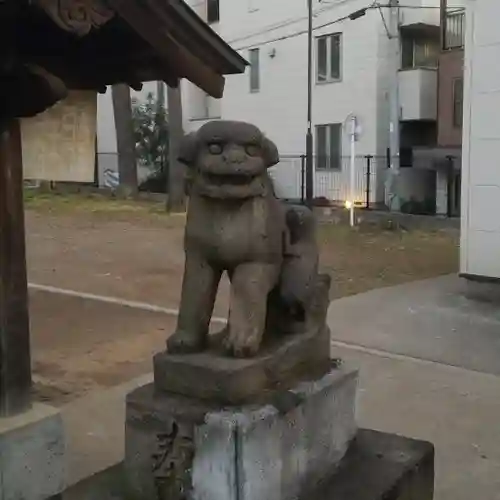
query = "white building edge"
x=480 y=235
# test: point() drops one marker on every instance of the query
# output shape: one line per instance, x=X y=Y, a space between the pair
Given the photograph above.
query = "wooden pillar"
x=15 y=360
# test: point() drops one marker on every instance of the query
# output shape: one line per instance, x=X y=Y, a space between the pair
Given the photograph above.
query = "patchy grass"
x=94 y=204
x=359 y=260
x=369 y=258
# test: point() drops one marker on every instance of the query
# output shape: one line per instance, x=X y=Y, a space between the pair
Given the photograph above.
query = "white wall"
x=418 y=94
x=420 y=14
x=441 y=192
x=480 y=245
x=280 y=107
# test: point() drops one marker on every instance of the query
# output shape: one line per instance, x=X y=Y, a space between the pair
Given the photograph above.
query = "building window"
x=419 y=52
x=213 y=15
x=328 y=60
x=329 y=146
x=254 y=58
x=458 y=102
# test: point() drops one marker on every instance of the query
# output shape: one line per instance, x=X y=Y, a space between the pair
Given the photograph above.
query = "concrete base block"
x=32 y=455
x=380 y=466
x=273 y=451
x=482 y=291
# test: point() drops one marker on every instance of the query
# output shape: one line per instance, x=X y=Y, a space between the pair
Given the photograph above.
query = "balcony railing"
x=454 y=30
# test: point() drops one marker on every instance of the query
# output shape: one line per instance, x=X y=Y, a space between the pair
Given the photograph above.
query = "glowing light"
x=348 y=204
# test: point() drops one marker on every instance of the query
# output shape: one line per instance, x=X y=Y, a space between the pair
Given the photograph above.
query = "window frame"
x=329 y=165
x=329 y=43
x=213 y=7
x=417 y=42
x=253 y=68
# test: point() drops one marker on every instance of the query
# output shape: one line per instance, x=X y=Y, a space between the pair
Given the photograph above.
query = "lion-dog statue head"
x=229 y=159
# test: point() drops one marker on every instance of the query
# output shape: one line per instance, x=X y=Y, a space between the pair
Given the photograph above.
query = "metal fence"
x=332 y=185
x=428 y=181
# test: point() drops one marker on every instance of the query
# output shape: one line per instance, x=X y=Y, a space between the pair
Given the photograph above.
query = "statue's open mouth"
x=228 y=179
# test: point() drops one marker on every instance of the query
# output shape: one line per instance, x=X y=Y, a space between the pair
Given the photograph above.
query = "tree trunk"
x=176 y=201
x=127 y=164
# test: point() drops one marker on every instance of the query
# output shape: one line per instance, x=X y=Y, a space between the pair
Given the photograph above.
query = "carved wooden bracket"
x=77 y=16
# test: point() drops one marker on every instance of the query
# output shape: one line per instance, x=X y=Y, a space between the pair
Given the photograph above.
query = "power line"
x=374 y=5
x=422 y=7
x=304 y=32
x=288 y=22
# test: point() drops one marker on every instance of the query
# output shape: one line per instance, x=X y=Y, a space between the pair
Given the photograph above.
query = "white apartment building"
x=351 y=76
x=480 y=244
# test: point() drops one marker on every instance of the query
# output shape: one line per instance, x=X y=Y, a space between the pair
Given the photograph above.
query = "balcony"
x=454 y=30
x=419 y=17
x=418 y=94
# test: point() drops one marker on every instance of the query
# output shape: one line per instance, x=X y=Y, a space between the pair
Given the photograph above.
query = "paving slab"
x=428 y=319
x=95 y=430
x=455 y=409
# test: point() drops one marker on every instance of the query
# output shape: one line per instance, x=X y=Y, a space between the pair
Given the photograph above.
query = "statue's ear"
x=270 y=151
x=189 y=149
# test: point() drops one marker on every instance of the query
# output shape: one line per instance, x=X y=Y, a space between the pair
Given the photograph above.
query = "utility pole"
x=393 y=199
x=176 y=182
x=309 y=137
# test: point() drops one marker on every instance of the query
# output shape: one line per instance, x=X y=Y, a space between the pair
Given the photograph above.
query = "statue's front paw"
x=240 y=345
x=182 y=342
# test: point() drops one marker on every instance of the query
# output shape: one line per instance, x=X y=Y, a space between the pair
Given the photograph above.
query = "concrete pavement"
x=430 y=369
x=430 y=365
x=429 y=319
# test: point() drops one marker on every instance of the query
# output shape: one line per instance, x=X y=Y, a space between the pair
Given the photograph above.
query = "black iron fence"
x=429 y=182
x=332 y=180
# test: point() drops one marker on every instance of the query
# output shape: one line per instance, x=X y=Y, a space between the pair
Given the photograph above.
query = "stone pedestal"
x=272 y=450
x=212 y=376
x=32 y=455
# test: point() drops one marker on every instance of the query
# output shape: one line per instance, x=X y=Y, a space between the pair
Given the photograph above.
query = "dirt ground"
x=133 y=251
x=81 y=345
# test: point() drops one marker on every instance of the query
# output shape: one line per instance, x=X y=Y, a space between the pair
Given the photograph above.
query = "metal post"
x=309 y=137
x=302 y=179
x=449 y=187
x=15 y=360
x=368 y=179
x=352 y=180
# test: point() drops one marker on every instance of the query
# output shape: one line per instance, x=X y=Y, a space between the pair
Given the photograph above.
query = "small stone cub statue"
x=235 y=224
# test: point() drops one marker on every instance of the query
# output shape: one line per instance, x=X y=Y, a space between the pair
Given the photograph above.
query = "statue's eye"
x=215 y=148
x=252 y=150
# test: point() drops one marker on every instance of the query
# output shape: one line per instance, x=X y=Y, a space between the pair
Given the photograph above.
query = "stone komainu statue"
x=236 y=224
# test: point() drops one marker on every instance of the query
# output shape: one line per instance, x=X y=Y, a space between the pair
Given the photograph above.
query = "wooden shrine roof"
x=89 y=44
